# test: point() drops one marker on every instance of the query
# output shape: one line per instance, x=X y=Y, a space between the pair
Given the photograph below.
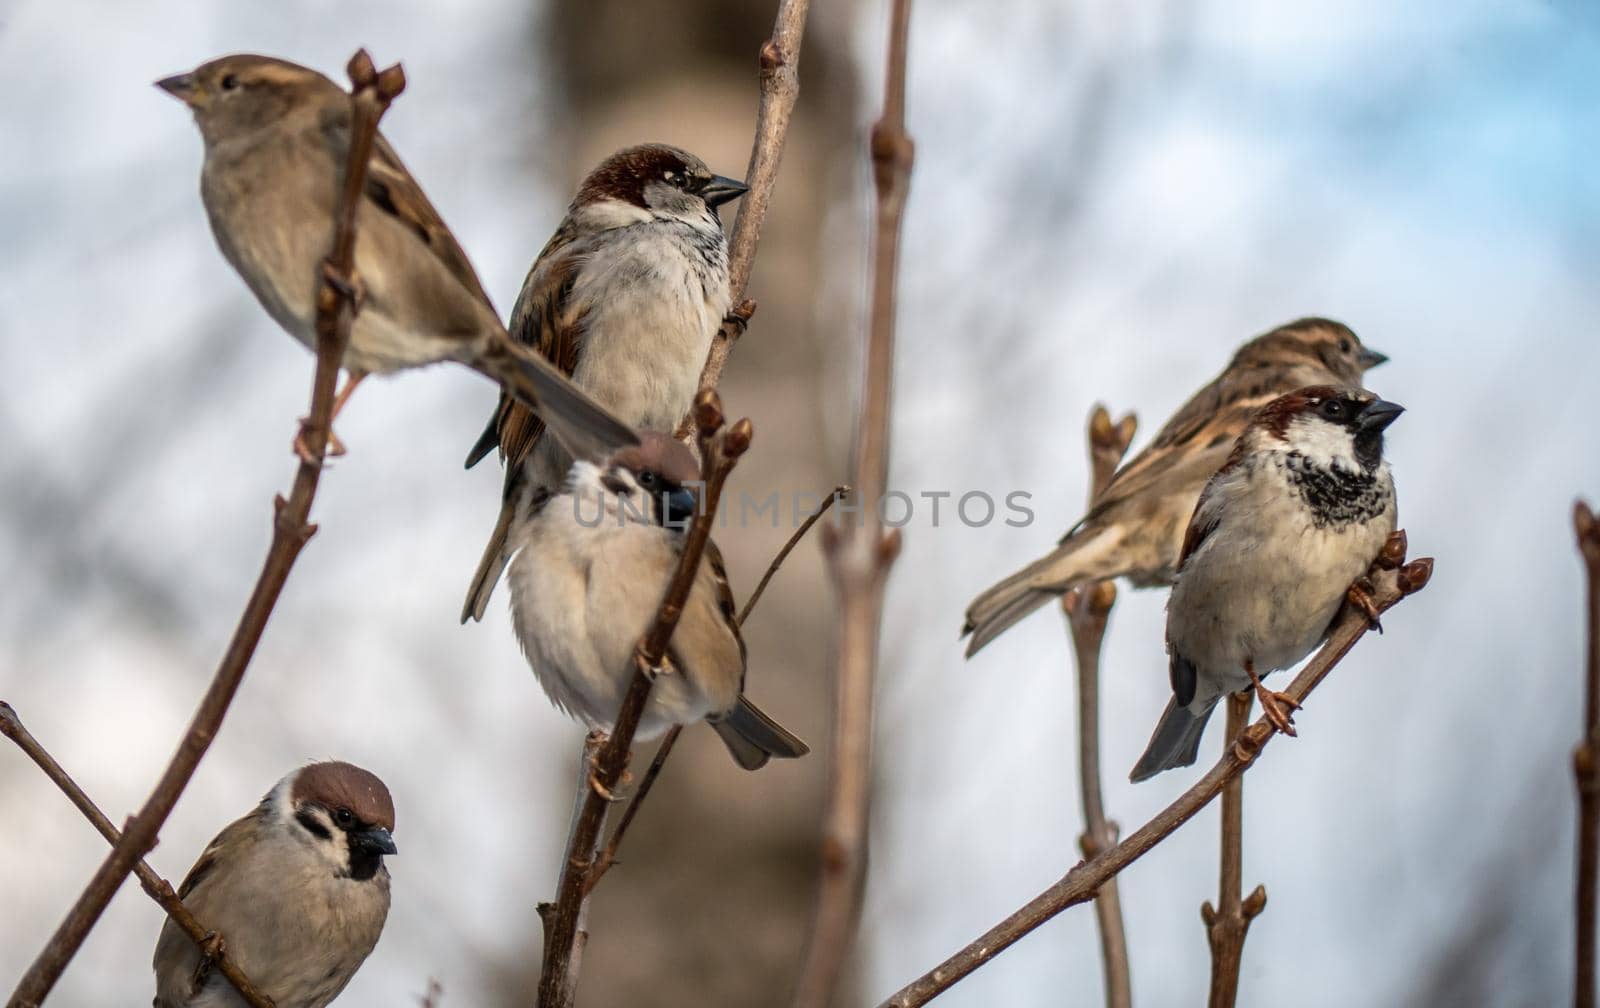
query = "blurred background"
x=1106 y=202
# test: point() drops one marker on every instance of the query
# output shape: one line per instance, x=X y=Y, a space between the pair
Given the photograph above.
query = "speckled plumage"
x=1295 y=516
x=1135 y=529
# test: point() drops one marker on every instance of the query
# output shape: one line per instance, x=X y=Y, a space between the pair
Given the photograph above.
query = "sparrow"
x=297 y=891
x=625 y=299
x=1282 y=532
x=590 y=570
x=1135 y=527
x=276 y=138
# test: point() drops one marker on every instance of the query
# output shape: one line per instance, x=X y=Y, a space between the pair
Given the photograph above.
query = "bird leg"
x=335 y=446
x=1273 y=703
x=348 y=285
x=1359 y=595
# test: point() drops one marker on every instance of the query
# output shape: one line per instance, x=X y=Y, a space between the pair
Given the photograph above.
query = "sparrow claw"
x=334 y=449
x=349 y=286
x=601 y=790
x=213 y=947
x=1360 y=596
x=1273 y=704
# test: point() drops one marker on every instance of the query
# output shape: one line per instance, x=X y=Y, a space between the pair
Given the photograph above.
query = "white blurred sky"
x=1423 y=174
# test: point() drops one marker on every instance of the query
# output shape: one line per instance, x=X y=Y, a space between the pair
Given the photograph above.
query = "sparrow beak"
x=720 y=189
x=1380 y=414
x=1370 y=358
x=681 y=506
x=377 y=839
x=182 y=87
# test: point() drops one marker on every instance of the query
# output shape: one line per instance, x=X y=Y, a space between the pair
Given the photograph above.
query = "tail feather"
x=1175 y=742
x=490 y=567
x=487 y=442
x=1087 y=555
x=585 y=428
x=753 y=738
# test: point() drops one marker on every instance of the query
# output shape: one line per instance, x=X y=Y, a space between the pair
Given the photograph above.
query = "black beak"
x=376 y=840
x=179 y=86
x=720 y=189
x=681 y=506
x=1379 y=414
x=1369 y=358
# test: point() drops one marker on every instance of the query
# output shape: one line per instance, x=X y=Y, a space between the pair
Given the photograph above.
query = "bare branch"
x=780 y=89
x=1226 y=927
x=1586 y=767
x=372 y=92
x=1087 y=610
x=1392 y=582
x=788 y=547
x=719 y=451
x=212 y=946
x=859 y=556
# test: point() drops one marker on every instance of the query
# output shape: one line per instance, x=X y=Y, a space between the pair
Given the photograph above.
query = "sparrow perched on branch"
x=591 y=567
x=277 y=137
x=625 y=298
x=1280 y=536
x=297 y=890
x=1135 y=527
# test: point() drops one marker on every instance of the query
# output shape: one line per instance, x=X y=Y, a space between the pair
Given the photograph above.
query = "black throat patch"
x=1335 y=497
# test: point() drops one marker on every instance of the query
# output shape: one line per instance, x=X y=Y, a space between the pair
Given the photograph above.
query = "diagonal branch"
x=1087 y=610
x=859 y=556
x=1586 y=767
x=608 y=856
x=212 y=946
x=558 y=980
x=1392 y=582
x=780 y=89
x=370 y=97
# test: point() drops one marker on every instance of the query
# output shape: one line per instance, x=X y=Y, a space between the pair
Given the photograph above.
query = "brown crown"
x=623 y=175
x=659 y=453
x=338 y=785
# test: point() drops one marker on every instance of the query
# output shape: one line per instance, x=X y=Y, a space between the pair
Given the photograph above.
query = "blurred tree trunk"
x=709 y=902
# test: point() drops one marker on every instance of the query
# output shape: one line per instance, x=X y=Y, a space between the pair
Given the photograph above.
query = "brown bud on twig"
x=1255 y=902
x=708 y=412
x=391 y=82
x=1393 y=553
x=737 y=441
x=1414 y=575
x=362 y=73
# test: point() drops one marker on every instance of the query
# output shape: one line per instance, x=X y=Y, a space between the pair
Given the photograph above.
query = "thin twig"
x=1229 y=921
x=719 y=450
x=608 y=856
x=859 y=556
x=1087 y=610
x=788 y=547
x=370 y=97
x=780 y=89
x=1392 y=581
x=1586 y=767
x=212 y=946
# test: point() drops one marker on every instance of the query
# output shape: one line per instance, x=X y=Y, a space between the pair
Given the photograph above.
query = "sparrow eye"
x=1344 y=346
x=344 y=818
x=230 y=82
x=1333 y=409
x=647 y=479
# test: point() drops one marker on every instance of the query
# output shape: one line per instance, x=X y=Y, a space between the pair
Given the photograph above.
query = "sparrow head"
x=1332 y=428
x=240 y=94
x=339 y=810
x=663 y=182
x=1319 y=343
x=648 y=483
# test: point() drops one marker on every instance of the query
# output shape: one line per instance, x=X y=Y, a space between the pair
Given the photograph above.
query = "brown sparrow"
x=297 y=890
x=1282 y=531
x=1135 y=527
x=590 y=570
x=625 y=298
x=276 y=138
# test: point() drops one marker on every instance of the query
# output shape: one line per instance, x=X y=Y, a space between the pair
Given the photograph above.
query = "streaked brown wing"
x=230 y=837
x=725 y=602
x=545 y=319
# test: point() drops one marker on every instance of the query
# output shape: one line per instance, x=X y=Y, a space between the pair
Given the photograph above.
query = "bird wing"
x=208 y=859
x=546 y=319
x=725 y=602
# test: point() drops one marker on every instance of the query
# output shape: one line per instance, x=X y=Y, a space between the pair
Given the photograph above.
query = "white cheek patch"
x=1325 y=444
